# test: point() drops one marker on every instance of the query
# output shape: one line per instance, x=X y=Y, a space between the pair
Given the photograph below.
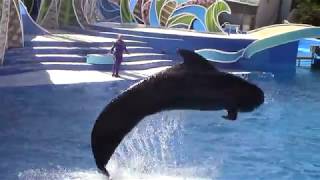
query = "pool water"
x=45 y=134
x=304 y=50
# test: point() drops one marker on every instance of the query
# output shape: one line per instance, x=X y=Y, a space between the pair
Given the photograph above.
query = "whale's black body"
x=194 y=84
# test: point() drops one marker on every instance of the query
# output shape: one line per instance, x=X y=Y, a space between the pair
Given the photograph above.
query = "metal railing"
x=315 y=55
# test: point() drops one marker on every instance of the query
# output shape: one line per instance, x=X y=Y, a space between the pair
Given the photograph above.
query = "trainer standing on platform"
x=117 y=49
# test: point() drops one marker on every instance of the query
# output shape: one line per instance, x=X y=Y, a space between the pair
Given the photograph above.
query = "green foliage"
x=308 y=12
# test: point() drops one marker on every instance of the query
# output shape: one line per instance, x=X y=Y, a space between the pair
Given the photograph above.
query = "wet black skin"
x=194 y=84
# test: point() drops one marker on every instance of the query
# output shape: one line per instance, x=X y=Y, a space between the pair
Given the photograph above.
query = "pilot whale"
x=194 y=84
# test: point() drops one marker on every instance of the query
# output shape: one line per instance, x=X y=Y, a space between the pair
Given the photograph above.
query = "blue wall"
x=280 y=60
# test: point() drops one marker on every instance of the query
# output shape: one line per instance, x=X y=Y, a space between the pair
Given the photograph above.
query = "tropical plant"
x=308 y=12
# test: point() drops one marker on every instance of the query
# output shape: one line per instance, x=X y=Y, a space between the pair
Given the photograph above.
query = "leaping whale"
x=194 y=84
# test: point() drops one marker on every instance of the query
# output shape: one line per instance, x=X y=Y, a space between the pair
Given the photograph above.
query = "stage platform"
x=166 y=31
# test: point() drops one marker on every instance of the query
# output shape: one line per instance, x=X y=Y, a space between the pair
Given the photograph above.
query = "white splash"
x=149 y=151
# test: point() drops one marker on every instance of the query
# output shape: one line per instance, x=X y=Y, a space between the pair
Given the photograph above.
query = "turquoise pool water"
x=45 y=134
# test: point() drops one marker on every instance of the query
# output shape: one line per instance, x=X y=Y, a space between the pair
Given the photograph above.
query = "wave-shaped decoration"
x=29 y=26
x=213 y=13
x=92 y=12
x=153 y=17
x=108 y=11
x=144 y=11
x=137 y=12
x=160 y=13
x=159 y=6
x=108 y=7
x=66 y=14
x=132 y=5
x=198 y=26
x=259 y=45
x=199 y=12
x=219 y=56
x=50 y=19
x=126 y=16
x=184 y=19
x=44 y=7
x=79 y=14
x=166 y=10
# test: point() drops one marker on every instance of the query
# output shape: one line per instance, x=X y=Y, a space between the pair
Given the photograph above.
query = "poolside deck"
x=60 y=58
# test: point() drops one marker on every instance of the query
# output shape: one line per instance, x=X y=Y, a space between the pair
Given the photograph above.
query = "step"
x=143 y=56
x=44 y=58
x=72 y=50
x=30 y=58
x=77 y=44
x=81 y=66
x=159 y=62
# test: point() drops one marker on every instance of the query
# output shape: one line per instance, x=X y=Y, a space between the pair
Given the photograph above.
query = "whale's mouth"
x=254 y=100
x=252 y=106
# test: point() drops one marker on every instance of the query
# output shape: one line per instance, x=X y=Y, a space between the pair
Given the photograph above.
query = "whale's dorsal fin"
x=194 y=60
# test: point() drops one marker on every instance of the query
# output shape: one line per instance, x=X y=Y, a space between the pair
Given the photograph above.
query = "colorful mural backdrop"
x=5 y=13
x=197 y=15
x=200 y=15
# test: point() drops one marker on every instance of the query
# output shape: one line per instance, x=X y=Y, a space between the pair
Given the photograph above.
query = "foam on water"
x=148 y=152
x=40 y=174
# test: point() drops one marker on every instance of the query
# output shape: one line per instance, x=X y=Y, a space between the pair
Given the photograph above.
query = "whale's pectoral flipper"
x=232 y=114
